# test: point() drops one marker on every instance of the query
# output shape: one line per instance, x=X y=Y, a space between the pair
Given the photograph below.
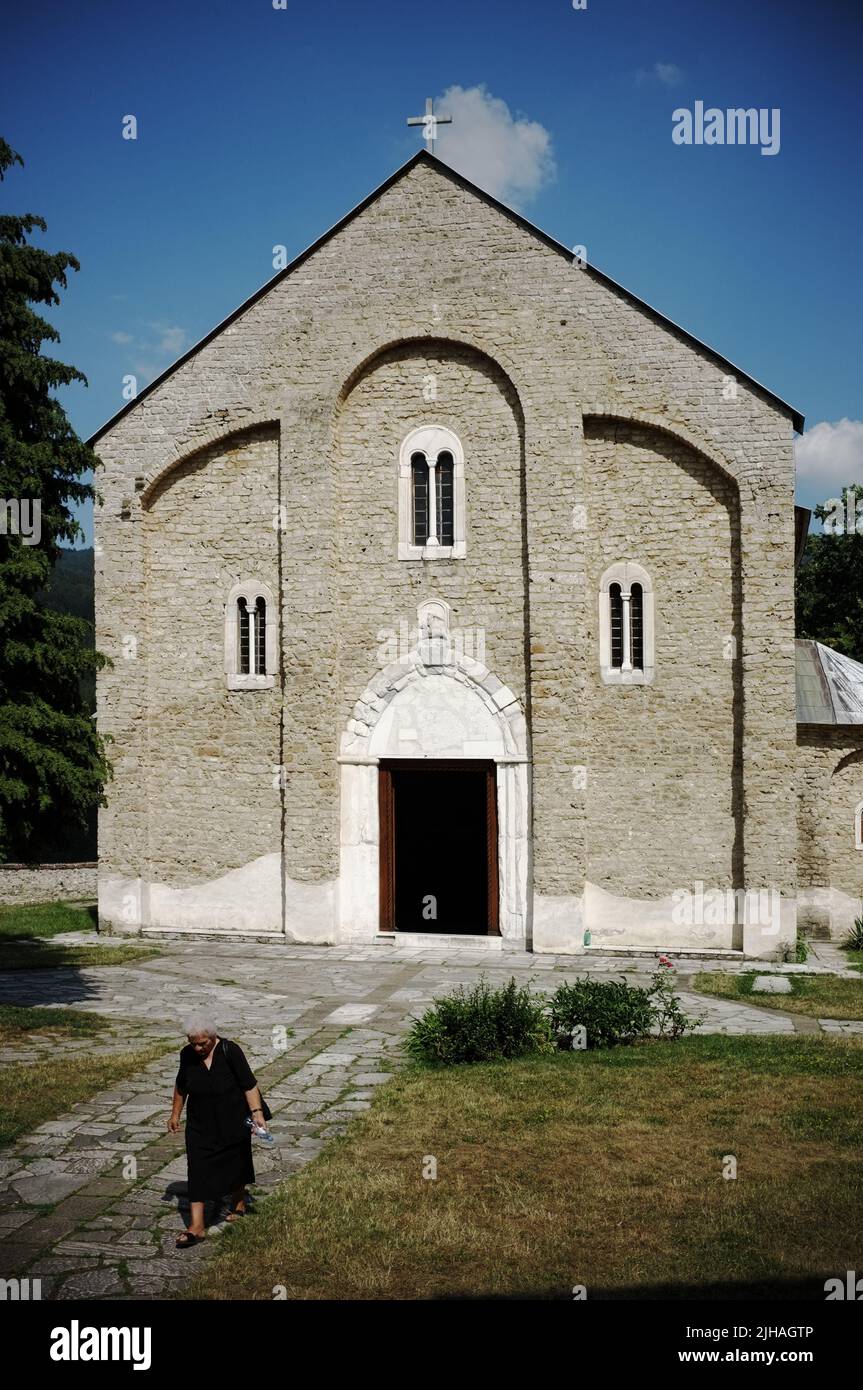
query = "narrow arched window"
x=858 y=825
x=420 y=495
x=636 y=625
x=615 y=605
x=244 y=665
x=445 y=497
x=260 y=636
x=251 y=637
x=626 y=625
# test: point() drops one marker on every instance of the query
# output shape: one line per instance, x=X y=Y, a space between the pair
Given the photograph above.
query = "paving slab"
x=352 y=1013
x=771 y=984
x=44 y=1189
x=347 y=1008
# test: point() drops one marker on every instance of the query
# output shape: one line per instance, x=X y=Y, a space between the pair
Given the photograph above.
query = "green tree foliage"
x=830 y=577
x=52 y=760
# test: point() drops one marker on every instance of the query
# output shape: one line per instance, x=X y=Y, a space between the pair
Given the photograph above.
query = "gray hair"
x=199 y=1022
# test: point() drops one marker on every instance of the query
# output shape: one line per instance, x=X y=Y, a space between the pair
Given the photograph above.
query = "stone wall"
x=379 y=594
x=830 y=788
x=529 y=352
x=211 y=751
x=663 y=758
x=48 y=883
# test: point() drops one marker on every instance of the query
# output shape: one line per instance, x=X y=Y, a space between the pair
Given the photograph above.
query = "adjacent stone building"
x=449 y=588
x=830 y=790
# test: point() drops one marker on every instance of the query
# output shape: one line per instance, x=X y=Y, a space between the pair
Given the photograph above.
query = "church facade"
x=448 y=589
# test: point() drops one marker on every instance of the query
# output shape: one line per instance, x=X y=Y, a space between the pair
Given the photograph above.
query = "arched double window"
x=431 y=496
x=626 y=625
x=250 y=637
x=432 y=499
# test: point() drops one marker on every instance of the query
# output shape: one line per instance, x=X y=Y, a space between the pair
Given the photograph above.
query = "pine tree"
x=52 y=760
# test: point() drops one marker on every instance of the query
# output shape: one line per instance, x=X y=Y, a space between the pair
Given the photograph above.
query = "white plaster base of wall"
x=616 y=922
x=829 y=907
x=248 y=901
x=245 y=901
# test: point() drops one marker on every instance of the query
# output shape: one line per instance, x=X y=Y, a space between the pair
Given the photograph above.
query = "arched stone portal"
x=436 y=703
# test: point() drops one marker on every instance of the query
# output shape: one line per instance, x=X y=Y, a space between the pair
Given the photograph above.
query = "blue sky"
x=260 y=126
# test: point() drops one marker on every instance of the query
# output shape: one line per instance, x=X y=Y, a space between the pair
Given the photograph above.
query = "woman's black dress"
x=218 y=1141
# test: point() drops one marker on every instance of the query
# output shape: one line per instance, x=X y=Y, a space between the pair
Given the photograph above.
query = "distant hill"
x=71 y=587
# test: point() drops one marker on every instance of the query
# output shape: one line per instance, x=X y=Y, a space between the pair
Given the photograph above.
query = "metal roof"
x=423 y=154
x=829 y=685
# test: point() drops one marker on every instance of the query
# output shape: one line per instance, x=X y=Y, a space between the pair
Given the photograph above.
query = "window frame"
x=431 y=441
x=251 y=591
x=626 y=573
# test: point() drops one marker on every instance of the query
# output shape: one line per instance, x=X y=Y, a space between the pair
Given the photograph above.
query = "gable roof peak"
x=424 y=156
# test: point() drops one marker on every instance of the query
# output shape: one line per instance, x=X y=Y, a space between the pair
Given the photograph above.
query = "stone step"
x=707 y=953
x=420 y=940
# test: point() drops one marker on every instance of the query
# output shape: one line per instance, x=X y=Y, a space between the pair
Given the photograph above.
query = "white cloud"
x=669 y=74
x=150 y=356
x=146 y=370
x=831 y=455
x=509 y=156
x=172 y=339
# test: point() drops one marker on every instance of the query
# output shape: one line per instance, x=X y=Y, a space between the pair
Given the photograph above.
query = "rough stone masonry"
x=594 y=434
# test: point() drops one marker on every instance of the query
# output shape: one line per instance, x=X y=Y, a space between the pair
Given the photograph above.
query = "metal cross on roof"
x=430 y=123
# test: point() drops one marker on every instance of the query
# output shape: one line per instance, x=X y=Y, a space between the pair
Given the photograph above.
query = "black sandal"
x=187 y=1239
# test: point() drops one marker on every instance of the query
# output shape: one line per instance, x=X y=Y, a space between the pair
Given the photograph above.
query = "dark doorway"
x=439 y=847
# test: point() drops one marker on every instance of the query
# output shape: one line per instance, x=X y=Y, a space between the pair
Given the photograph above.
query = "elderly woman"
x=218 y=1081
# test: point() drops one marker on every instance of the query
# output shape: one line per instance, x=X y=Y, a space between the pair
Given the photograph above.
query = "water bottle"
x=259 y=1131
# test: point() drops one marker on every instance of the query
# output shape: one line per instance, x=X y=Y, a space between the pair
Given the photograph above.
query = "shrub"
x=854 y=939
x=609 y=1011
x=669 y=1020
x=797 y=952
x=480 y=1025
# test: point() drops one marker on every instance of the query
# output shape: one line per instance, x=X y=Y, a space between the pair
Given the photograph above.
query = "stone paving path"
x=89 y=1201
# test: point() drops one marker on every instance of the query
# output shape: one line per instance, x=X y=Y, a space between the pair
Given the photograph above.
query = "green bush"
x=609 y=1012
x=669 y=1020
x=797 y=952
x=854 y=939
x=480 y=1025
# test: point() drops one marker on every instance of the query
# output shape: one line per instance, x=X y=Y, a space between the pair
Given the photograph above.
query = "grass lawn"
x=45 y=919
x=595 y=1168
x=20 y=951
x=855 y=958
x=17 y=1023
x=32 y=955
x=31 y=1092
x=819 y=996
